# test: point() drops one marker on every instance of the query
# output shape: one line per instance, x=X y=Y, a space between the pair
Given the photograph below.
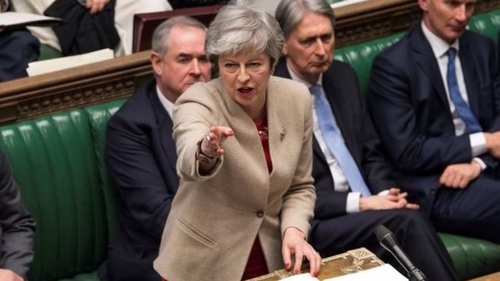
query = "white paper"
x=45 y=66
x=301 y=277
x=12 y=19
x=380 y=273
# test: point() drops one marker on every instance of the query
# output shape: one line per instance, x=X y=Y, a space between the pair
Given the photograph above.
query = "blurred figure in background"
x=18 y=47
x=123 y=18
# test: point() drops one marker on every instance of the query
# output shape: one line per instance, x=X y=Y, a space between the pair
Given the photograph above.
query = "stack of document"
x=383 y=273
x=380 y=273
x=16 y=20
x=45 y=66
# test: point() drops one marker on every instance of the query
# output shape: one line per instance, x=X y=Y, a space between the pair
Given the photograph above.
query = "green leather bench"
x=471 y=257
x=58 y=163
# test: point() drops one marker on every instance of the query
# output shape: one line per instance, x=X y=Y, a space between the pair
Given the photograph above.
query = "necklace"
x=263 y=133
x=262 y=129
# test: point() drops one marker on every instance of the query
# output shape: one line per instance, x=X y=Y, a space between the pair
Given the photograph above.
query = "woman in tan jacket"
x=244 y=144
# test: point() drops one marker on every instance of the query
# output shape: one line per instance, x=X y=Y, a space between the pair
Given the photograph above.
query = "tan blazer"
x=214 y=219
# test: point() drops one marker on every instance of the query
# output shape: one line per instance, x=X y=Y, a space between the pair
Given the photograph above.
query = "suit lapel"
x=164 y=130
x=339 y=105
x=466 y=60
x=427 y=63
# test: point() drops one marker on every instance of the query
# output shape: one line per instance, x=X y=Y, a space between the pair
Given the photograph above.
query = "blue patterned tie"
x=333 y=139
x=462 y=107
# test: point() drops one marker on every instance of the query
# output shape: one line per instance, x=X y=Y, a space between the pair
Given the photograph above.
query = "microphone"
x=387 y=240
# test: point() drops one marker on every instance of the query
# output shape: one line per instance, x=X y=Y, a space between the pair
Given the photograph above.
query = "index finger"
x=222 y=130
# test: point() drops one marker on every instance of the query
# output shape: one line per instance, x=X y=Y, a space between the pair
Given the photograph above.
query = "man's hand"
x=96 y=5
x=295 y=245
x=393 y=200
x=9 y=275
x=460 y=175
x=493 y=143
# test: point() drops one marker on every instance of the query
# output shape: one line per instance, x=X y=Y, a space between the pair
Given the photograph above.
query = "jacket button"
x=260 y=214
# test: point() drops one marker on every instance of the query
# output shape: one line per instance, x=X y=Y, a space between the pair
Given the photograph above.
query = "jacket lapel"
x=164 y=127
x=428 y=64
x=466 y=60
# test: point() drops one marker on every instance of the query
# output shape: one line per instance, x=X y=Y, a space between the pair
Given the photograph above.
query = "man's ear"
x=156 y=62
x=424 y=4
x=285 y=49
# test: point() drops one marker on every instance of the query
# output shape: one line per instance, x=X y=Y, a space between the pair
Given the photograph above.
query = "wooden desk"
x=490 y=277
x=349 y=262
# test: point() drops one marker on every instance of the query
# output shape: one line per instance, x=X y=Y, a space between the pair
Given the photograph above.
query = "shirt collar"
x=295 y=77
x=168 y=105
x=438 y=45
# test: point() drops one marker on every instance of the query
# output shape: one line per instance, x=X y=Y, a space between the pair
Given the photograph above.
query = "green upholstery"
x=47 y=52
x=58 y=164
x=487 y=24
x=471 y=257
x=360 y=56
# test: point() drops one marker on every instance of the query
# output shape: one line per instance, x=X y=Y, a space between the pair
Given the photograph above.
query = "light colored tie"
x=333 y=139
x=462 y=107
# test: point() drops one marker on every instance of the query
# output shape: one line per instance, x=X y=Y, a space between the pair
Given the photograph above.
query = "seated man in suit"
x=435 y=100
x=17 y=48
x=17 y=228
x=355 y=191
x=141 y=154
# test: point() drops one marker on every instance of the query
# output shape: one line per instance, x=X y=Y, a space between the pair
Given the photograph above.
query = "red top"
x=256 y=265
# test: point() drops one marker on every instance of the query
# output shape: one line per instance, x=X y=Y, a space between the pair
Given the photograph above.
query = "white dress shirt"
x=168 y=105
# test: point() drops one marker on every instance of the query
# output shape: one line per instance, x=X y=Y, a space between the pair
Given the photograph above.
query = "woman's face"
x=245 y=77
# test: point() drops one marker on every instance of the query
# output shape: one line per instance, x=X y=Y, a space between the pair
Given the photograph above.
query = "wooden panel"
x=145 y=24
x=35 y=96
x=491 y=277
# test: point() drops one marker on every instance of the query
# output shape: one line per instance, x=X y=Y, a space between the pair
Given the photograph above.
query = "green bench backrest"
x=57 y=162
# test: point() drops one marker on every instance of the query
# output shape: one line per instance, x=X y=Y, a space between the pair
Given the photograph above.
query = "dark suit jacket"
x=16 y=225
x=342 y=91
x=17 y=48
x=141 y=158
x=411 y=111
